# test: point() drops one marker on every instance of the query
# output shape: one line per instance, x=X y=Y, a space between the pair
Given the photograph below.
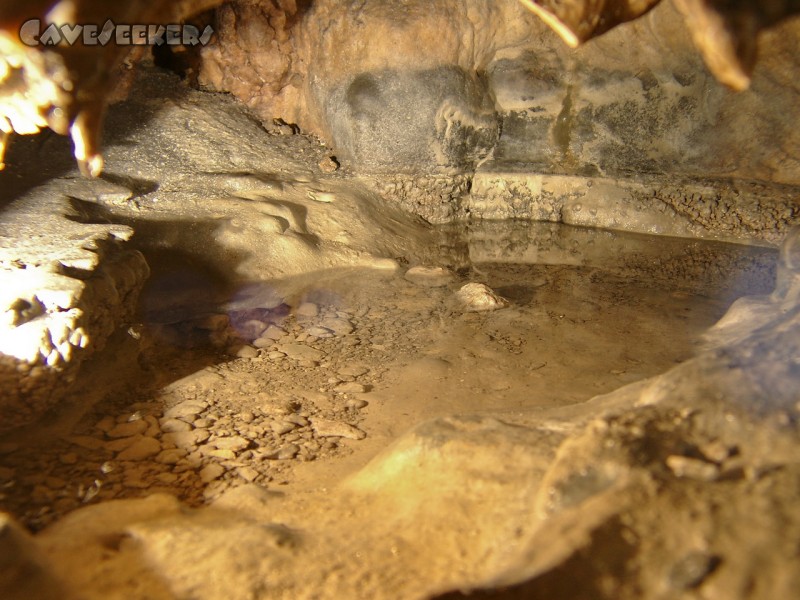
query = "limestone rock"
x=477 y=297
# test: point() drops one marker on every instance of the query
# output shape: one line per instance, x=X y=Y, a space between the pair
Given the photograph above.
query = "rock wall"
x=387 y=82
x=66 y=288
x=420 y=91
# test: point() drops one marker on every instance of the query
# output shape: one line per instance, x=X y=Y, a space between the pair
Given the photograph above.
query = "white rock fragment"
x=477 y=297
x=429 y=276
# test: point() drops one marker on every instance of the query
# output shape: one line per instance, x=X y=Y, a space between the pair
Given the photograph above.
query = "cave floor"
x=294 y=415
x=295 y=384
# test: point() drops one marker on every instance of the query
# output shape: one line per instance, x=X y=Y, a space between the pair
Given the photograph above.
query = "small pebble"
x=247 y=352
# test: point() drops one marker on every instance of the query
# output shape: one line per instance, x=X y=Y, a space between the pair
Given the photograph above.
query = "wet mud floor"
x=295 y=384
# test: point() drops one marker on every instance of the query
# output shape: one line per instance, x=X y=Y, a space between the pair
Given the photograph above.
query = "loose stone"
x=307 y=309
x=356 y=403
x=171 y=456
x=247 y=352
x=350 y=387
x=353 y=371
x=190 y=408
x=692 y=468
x=166 y=478
x=477 y=297
x=123 y=443
x=174 y=426
x=296 y=419
x=247 y=473
x=328 y=428
x=143 y=448
x=211 y=472
x=274 y=332
x=235 y=443
x=128 y=429
x=282 y=427
x=217 y=453
x=301 y=352
x=185 y=439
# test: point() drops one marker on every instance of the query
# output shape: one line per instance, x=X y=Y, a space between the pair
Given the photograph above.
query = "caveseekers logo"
x=32 y=34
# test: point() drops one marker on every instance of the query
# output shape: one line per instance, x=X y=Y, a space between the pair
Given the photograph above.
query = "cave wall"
x=414 y=86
